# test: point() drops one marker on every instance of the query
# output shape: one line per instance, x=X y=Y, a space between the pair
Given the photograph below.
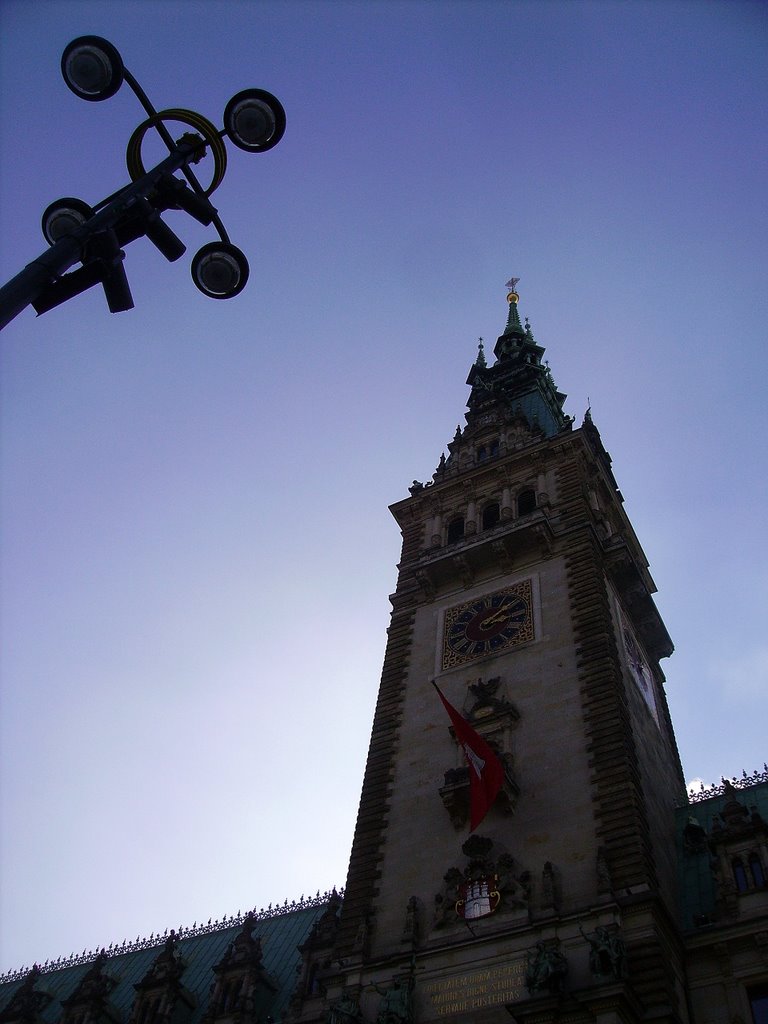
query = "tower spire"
x=513 y=318
x=518 y=379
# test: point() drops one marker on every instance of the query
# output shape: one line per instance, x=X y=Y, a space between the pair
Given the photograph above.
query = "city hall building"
x=593 y=890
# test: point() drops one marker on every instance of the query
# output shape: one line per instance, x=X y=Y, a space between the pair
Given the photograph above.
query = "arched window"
x=455 y=530
x=526 y=502
x=756 y=870
x=739 y=874
x=487 y=451
x=491 y=515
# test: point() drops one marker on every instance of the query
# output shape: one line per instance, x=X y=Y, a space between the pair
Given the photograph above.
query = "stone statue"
x=345 y=1010
x=395 y=1006
x=606 y=953
x=445 y=901
x=548 y=894
x=513 y=888
x=546 y=970
x=604 y=884
x=411 y=925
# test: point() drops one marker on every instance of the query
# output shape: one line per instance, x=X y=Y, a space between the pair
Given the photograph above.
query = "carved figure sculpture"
x=603 y=873
x=548 y=898
x=395 y=1006
x=606 y=953
x=445 y=901
x=345 y=1010
x=411 y=925
x=546 y=970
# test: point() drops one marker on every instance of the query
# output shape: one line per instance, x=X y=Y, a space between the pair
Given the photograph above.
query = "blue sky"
x=196 y=548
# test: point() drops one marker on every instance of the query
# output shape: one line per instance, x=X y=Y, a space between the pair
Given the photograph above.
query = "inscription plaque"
x=462 y=993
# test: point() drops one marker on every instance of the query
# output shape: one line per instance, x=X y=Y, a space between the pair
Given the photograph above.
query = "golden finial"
x=512 y=285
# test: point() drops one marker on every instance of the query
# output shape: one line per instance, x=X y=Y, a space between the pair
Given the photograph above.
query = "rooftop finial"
x=513 y=320
x=480 y=361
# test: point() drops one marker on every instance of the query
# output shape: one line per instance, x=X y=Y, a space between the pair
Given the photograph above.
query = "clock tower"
x=524 y=594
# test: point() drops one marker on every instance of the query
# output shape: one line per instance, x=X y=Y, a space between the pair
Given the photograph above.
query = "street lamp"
x=254 y=120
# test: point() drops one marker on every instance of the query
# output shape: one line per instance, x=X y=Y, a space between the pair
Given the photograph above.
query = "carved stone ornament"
x=735 y=821
x=167 y=966
x=325 y=928
x=491 y=881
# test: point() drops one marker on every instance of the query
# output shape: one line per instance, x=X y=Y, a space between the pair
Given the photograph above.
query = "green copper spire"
x=519 y=382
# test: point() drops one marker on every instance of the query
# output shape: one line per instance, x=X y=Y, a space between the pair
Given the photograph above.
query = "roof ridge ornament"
x=87 y=956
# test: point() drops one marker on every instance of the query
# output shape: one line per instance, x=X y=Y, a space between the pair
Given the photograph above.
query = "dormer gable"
x=89 y=1003
x=243 y=989
x=160 y=996
x=28 y=1002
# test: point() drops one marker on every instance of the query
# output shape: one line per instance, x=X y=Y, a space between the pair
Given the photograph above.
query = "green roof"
x=698 y=889
x=281 y=931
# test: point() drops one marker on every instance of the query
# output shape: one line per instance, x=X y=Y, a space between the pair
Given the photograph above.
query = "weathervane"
x=512 y=283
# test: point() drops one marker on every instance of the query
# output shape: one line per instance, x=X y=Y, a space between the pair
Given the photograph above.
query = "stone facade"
x=564 y=904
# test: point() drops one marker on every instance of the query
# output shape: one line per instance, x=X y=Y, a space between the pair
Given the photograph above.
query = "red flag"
x=486 y=772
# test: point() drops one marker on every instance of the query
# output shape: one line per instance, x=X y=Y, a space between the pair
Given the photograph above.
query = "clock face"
x=639 y=670
x=488 y=624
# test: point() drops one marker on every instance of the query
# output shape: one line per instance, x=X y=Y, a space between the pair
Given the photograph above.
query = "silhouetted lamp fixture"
x=62 y=216
x=92 y=68
x=254 y=120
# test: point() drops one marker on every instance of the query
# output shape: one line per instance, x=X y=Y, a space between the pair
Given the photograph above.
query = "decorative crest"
x=478 y=897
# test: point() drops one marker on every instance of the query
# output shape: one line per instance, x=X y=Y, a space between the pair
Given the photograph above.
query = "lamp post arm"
x=27 y=285
x=168 y=139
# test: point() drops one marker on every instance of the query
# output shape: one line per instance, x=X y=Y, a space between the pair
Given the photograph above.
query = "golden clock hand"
x=502 y=613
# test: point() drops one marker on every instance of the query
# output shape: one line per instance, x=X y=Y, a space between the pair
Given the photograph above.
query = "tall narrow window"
x=739 y=874
x=526 y=502
x=756 y=870
x=491 y=515
x=455 y=530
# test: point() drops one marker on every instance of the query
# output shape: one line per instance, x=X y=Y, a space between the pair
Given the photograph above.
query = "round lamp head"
x=254 y=120
x=220 y=270
x=92 y=68
x=62 y=216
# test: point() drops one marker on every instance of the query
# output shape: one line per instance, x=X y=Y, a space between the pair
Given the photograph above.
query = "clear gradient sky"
x=196 y=548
